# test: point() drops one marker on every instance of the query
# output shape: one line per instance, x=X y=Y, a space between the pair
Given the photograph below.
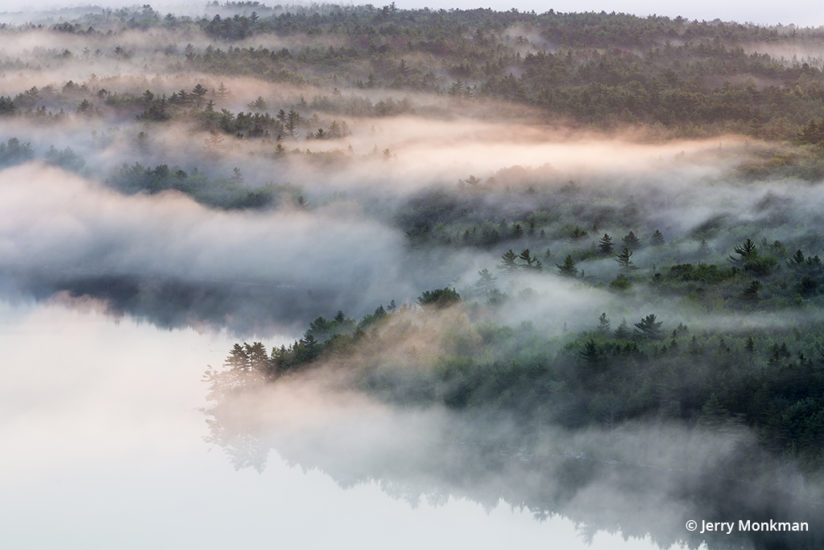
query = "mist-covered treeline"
x=575 y=258
x=604 y=70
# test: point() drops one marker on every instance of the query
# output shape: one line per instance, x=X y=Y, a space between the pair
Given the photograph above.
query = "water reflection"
x=103 y=446
x=643 y=479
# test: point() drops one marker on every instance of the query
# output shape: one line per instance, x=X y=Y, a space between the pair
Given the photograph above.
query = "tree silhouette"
x=630 y=240
x=568 y=267
x=751 y=292
x=531 y=262
x=649 y=328
x=623 y=259
x=603 y=323
x=485 y=285
x=605 y=245
x=590 y=353
x=622 y=332
x=508 y=260
x=746 y=251
x=199 y=91
x=441 y=297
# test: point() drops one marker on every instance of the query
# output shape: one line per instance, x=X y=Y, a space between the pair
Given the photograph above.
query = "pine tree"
x=485 y=284
x=590 y=353
x=649 y=327
x=532 y=262
x=603 y=323
x=657 y=238
x=622 y=332
x=292 y=121
x=630 y=240
x=751 y=292
x=623 y=259
x=568 y=267
x=713 y=413
x=258 y=359
x=797 y=259
x=258 y=105
x=199 y=91
x=238 y=359
x=508 y=261
x=605 y=245
x=222 y=91
x=746 y=251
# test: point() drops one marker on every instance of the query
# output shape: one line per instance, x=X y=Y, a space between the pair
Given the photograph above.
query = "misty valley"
x=555 y=274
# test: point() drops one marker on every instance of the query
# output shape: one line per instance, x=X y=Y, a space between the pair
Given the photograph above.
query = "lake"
x=104 y=447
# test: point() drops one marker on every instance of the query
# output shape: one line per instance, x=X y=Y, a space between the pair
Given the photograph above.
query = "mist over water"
x=104 y=445
x=467 y=301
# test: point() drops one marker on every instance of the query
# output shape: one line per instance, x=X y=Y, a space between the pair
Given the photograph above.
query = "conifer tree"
x=605 y=245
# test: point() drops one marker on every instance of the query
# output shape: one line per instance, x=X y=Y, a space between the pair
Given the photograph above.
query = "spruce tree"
x=605 y=244
x=568 y=267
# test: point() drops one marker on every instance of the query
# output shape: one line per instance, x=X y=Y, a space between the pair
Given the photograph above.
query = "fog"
x=802 y=13
x=447 y=287
x=640 y=478
x=107 y=443
x=166 y=258
x=94 y=234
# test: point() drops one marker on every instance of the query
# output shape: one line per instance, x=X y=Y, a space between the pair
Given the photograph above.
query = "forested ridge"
x=618 y=370
x=592 y=230
x=599 y=69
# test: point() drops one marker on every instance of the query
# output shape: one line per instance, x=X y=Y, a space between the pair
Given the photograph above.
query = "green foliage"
x=689 y=78
x=701 y=273
x=440 y=298
x=605 y=245
x=66 y=159
x=14 y=152
x=657 y=238
x=508 y=260
x=751 y=292
x=486 y=282
x=525 y=260
x=714 y=380
x=630 y=240
x=590 y=354
x=568 y=268
x=812 y=133
x=603 y=323
x=577 y=233
x=649 y=328
x=529 y=262
x=745 y=251
x=7 y=106
x=623 y=259
x=378 y=315
x=321 y=330
x=156 y=111
x=673 y=77
x=229 y=193
x=623 y=332
x=621 y=282
x=248 y=358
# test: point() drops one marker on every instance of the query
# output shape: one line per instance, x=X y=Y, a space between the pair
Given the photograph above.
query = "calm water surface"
x=103 y=447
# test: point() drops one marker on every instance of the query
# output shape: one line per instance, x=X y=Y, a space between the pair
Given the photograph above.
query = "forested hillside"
x=599 y=70
x=590 y=228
